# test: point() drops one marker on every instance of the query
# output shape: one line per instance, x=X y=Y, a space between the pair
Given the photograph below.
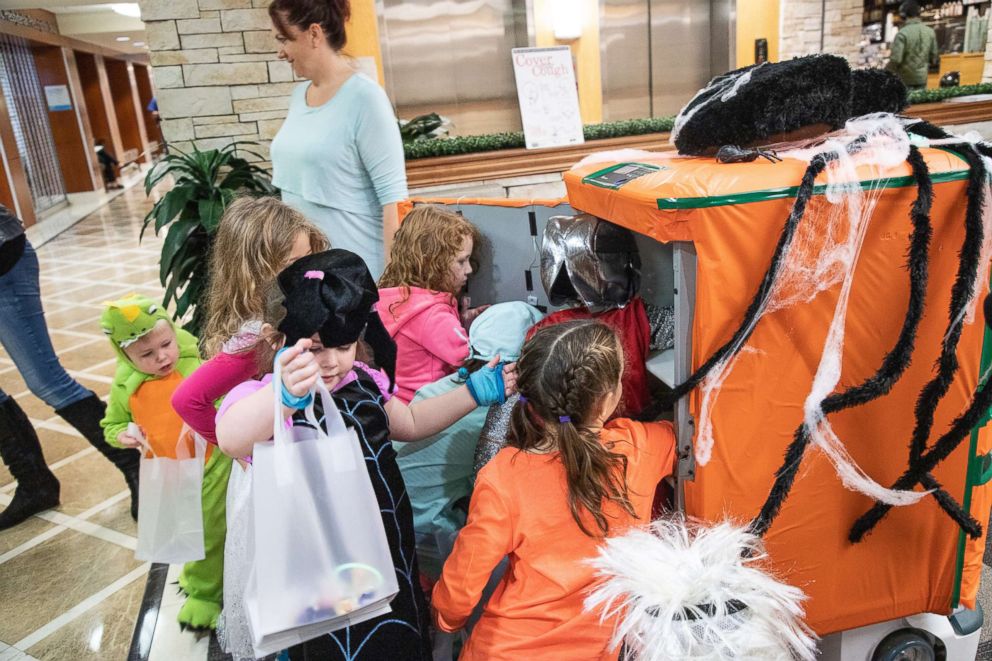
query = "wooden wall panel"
x=83 y=115
x=6 y=193
x=139 y=115
x=86 y=64
x=15 y=180
x=68 y=139
x=123 y=103
x=142 y=77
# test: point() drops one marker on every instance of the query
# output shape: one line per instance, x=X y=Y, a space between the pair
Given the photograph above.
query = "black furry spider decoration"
x=752 y=93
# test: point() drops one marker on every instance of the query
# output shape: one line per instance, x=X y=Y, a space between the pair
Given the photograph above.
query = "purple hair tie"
x=564 y=418
x=314 y=275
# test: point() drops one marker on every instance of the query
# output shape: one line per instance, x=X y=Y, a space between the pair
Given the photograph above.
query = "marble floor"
x=70 y=586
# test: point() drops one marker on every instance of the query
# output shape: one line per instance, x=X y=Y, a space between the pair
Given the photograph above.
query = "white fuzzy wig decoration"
x=686 y=591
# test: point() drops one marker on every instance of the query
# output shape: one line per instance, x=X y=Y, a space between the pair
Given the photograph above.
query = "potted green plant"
x=205 y=183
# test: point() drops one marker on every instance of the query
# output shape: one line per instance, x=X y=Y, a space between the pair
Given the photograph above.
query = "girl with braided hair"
x=566 y=482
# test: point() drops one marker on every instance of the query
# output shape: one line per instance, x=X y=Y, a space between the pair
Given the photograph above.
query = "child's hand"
x=509 y=379
x=468 y=315
x=299 y=368
x=487 y=385
x=128 y=441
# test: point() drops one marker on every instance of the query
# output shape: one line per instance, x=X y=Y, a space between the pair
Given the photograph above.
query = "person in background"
x=108 y=165
x=24 y=336
x=914 y=50
x=428 y=270
x=338 y=157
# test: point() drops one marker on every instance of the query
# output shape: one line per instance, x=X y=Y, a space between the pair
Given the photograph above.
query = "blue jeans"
x=24 y=336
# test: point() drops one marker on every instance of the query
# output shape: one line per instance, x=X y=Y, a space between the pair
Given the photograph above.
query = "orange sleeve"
x=481 y=544
x=657 y=449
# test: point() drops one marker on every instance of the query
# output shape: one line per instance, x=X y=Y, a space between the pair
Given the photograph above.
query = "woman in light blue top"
x=338 y=157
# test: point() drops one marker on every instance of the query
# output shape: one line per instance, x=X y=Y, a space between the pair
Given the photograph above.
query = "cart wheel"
x=905 y=645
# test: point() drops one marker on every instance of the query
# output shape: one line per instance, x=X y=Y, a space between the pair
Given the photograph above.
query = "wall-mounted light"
x=127 y=9
x=566 y=19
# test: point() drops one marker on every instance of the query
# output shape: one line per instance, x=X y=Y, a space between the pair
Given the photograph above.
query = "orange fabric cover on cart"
x=406 y=206
x=907 y=565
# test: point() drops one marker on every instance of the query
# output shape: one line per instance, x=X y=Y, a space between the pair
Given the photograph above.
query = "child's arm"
x=444 y=335
x=658 y=450
x=194 y=398
x=248 y=420
x=481 y=544
x=117 y=418
x=423 y=419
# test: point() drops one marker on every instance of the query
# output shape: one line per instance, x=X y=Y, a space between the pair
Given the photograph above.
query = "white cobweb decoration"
x=823 y=254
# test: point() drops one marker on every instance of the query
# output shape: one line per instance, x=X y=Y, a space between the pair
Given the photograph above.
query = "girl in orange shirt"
x=566 y=481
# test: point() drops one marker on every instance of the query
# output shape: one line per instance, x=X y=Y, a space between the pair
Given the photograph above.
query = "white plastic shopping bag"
x=322 y=560
x=170 y=504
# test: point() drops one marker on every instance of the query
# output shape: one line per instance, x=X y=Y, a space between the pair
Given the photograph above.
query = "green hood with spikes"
x=126 y=320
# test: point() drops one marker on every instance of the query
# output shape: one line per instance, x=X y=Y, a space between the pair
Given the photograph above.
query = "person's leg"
x=203 y=580
x=24 y=335
x=37 y=488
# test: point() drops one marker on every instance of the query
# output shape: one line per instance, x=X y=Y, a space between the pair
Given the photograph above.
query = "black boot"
x=37 y=488
x=85 y=415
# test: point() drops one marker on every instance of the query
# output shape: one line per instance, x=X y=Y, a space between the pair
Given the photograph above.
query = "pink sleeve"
x=195 y=397
x=238 y=393
x=442 y=334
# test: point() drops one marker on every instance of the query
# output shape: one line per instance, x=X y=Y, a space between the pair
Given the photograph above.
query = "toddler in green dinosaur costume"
x=153 y=358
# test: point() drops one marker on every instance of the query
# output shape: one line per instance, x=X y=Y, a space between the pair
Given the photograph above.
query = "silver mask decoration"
x=590 y=261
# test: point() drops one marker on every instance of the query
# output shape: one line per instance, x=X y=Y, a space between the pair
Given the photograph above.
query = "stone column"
x=217 y=76
x=800 y=28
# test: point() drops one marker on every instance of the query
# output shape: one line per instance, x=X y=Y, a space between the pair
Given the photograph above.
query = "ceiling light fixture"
x=123 y=39
x=127 y=9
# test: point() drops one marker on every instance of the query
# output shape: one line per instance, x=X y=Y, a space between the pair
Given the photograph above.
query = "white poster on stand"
x=549 y=101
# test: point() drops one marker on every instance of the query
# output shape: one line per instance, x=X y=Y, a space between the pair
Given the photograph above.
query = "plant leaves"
x=179 y=277
x=205 y=183
x=171 y=205
x=210 y=213
x=174 y=244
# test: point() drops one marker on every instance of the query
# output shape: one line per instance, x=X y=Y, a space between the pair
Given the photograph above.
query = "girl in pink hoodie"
x=429 y=265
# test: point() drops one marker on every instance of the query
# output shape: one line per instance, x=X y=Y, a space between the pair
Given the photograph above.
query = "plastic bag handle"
x=333 y=422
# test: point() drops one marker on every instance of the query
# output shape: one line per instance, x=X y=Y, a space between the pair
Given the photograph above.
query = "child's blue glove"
x=485 y=384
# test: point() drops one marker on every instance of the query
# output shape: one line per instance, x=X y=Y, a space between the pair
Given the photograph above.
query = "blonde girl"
x=256 y=238
x=418 y=296
x=566 y=481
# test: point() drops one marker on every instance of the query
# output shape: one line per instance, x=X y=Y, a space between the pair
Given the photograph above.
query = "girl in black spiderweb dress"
x=322 y=307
